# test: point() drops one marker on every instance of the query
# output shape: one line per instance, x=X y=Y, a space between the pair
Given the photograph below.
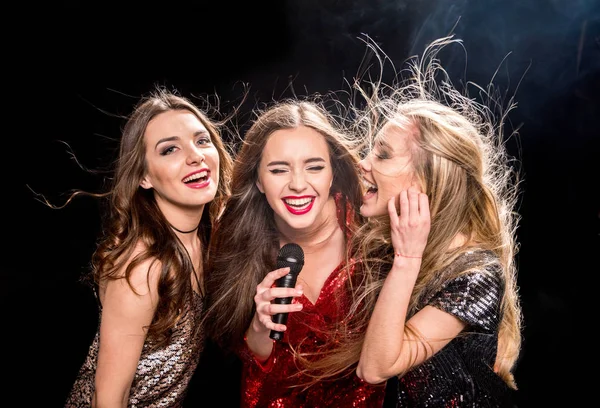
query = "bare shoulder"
x=144 y=272
x=128 y=305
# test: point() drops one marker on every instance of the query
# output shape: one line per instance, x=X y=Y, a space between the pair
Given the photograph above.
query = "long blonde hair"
x=462 y=164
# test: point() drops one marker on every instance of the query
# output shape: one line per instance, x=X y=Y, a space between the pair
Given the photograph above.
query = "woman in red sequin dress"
x=295 y=181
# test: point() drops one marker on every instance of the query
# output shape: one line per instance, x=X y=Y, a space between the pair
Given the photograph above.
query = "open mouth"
x=200 y=177
x=369 y=187
x=300 y=205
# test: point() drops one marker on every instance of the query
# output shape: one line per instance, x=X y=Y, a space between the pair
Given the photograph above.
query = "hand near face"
x=266 y=292
x=410 y=226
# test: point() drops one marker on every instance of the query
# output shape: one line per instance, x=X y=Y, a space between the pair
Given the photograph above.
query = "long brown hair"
x=245 y=241
x=133 y=217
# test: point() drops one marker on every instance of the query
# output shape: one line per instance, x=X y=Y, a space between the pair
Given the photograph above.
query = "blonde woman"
x=439 y=246
x=435 y=312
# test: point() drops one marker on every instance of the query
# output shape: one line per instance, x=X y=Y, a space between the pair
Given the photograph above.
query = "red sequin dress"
x=271 y=383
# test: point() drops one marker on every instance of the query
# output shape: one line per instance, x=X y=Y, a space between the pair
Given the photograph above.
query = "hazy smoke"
x=550 y=44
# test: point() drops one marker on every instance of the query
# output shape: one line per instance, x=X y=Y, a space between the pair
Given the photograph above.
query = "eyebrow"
x=383 y=143
x=172 y=138
x=284 y=163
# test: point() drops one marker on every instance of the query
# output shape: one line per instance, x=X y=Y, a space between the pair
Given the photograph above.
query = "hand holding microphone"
x=292 y=256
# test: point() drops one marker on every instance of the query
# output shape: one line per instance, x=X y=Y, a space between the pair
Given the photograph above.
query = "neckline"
x=333 y=275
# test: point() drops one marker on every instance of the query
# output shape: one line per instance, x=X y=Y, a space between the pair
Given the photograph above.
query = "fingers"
x=274 y=308
x=272 y=276
x=409 y=226
x=424 y=206
x=271 y=300
x=413 y=204
x=392 y=211
x=270 y=309
x=404 y=205
x=276 y=292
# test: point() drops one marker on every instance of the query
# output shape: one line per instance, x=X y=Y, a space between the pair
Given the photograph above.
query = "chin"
x=365 y=211
x=372 y=211
x=301 y=225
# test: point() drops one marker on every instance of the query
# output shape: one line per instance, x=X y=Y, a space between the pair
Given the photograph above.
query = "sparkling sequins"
x=461 y=374
x=162 y=375
x=273 y=387
x=272 y=384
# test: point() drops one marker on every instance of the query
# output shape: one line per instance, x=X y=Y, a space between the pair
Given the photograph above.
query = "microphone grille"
x=289 y=255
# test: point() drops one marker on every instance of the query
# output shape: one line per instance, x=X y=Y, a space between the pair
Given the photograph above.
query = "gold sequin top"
x=162 y=374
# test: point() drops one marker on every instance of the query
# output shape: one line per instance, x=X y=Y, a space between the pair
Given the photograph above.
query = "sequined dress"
x=270 y=384
x=162 y=374
x=461 y=374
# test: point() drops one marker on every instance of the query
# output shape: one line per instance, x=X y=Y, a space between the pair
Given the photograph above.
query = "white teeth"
x=368 y=184
x=195 y=176
x=298 y=202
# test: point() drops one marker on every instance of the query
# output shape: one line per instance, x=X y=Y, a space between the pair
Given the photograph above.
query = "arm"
x=257 y=335
x=122 y=334
x=392 y=345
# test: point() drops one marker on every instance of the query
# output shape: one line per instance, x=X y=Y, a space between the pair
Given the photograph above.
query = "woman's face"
x=183 y=163
x=387 y=169
x=295 y=175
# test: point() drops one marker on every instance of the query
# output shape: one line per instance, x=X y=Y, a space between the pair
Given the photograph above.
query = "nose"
x=298 y=181
x=365 y=164
x=195 y=156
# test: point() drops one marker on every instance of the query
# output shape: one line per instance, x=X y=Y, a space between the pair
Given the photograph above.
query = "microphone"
x=290 y=255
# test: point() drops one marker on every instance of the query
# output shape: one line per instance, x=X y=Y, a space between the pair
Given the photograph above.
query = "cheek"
x=392 y=186
x=273 y=188
x=270 y=192
x=269 y=188
x=159 y=173
x=212 y=159
x=325 y=181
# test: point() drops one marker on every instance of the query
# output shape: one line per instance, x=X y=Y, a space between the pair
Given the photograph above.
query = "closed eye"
x=277 y=171
x=382 y=154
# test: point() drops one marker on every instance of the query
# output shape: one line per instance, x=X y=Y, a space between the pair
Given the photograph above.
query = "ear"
x=145 y=183
x=260 y=187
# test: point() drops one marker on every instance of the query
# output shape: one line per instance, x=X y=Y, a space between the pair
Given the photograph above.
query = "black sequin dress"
x=461 y=374
x=162 y=374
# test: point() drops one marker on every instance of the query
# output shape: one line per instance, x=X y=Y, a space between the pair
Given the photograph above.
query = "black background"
x=79 y=68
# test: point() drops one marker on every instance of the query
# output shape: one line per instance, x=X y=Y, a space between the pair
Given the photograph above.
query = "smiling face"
x=295 y=175
x=182 y=162
x=387 y=169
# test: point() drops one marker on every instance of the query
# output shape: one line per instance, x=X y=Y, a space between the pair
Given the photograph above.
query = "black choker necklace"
x=184 y=232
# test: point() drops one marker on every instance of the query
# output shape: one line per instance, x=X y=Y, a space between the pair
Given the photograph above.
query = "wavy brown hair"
x=132 y=215
x=245 y=242
x=462 y=164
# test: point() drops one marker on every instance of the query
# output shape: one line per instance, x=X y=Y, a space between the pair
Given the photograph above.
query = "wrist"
x=399 y=254
x=257 y=327
x=413 y=262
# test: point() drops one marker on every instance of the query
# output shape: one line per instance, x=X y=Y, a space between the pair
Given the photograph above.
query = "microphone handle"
x=281 y=318
x=287 y=281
